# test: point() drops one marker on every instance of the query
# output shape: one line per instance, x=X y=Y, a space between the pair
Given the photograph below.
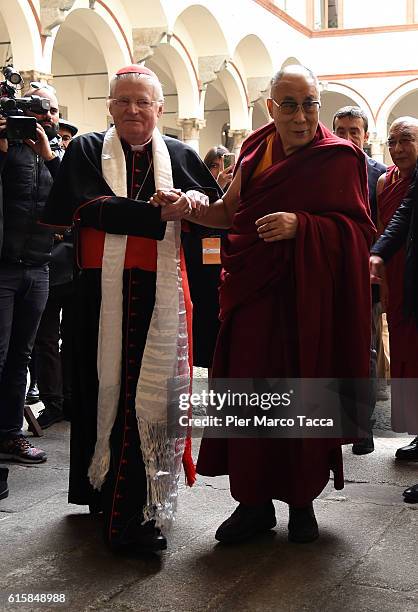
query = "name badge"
x=211 y=250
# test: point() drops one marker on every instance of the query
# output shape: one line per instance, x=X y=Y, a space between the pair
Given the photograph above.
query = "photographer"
x=27 y=169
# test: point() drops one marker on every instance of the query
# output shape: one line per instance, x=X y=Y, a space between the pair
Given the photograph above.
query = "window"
x=282 y=4
x=327 y=14
x=331 y=16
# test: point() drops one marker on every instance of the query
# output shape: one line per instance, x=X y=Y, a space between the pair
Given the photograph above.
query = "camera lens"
x=12 y=75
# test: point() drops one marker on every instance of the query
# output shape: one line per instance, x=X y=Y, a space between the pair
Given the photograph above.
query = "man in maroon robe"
x=391 y=259
x=295 y=298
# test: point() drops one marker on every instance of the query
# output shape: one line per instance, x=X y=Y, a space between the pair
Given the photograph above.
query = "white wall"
x=366 y=13
x=295 y=8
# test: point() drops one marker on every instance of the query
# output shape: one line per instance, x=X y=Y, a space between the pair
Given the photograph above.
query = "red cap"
x=136 y=68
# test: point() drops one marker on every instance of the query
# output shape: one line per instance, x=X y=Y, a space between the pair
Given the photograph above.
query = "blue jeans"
x=23 y=295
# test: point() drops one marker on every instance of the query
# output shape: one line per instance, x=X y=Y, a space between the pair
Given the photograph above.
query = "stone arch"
x=255 y=63
x=203 y=31
x=260 y=114
x=86 y=50
x=234 y=87
x=104 y=29
x=182 y=73
x=394 y=99
x=290 y=61
x=145 y=13
x=335 y=95
x=23 y=27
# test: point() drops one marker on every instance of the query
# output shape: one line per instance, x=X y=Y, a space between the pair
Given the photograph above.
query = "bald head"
x=293 y=71
x=403 y=144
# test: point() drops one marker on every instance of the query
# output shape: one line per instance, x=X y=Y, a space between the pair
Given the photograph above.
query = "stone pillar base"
x=34 y=75
x=191 y=129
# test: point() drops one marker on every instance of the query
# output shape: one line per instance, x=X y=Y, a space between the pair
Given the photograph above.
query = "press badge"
x=211 y=250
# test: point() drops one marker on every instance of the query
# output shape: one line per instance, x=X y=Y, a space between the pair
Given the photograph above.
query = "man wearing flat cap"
x=132 y=308
x=67 y=131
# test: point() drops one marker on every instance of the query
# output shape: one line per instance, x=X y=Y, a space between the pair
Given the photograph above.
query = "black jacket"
x=403 y=230
x=374 y=170
x=27 y=181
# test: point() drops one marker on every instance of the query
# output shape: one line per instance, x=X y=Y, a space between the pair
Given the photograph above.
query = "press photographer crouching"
x=27 y=167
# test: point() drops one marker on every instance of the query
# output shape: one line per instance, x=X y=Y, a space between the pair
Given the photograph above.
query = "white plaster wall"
x=330 y=103
x=295 y=8
x=366 y=13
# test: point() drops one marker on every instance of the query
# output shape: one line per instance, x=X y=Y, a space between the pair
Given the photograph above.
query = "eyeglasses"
x=288 y=107
x=391 y=142
x=141 y=104
x=66 y=138
x=40 y=85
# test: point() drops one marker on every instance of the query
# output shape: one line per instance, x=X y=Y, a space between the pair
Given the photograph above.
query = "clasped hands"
x=178 y=205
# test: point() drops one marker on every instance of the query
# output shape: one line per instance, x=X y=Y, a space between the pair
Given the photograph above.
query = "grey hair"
x=158 y=88
x=293 y=69
x=405 y=121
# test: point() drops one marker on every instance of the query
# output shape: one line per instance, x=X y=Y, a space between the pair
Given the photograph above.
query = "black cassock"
x=81 y=194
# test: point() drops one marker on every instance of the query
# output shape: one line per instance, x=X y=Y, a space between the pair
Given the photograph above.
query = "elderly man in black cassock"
x=132 y=309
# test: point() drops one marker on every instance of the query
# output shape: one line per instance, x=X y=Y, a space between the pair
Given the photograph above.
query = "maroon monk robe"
x=403 y=334
x=293 y=308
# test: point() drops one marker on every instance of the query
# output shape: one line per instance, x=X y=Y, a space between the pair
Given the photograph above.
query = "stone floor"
x=365 y=559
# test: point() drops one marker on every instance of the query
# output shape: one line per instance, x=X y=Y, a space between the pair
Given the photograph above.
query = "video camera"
x=18 y=126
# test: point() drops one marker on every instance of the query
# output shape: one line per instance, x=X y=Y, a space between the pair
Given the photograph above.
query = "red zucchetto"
x=136 y=68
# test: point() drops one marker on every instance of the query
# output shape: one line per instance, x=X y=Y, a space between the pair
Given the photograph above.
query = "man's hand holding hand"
x=199 y=203
x=277 y=226
x=377 y=270
x=176 y=210
x=163 y=197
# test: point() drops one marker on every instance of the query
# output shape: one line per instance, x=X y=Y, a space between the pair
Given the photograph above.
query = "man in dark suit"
x=351 y=123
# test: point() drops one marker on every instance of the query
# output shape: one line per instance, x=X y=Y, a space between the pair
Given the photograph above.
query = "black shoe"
x=409 y=452
x=246 y=522
x=302 y=525
x=32 y=396
x=4 y=489
x=139 y=538
x=364 y=446
x=411 y=495
x=21 y=450
x=50 y=415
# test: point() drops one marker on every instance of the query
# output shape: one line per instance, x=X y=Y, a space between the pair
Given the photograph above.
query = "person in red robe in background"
x=295 y=297
x=389 y=260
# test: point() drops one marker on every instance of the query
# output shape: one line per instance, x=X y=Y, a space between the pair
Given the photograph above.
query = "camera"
x=18 y=126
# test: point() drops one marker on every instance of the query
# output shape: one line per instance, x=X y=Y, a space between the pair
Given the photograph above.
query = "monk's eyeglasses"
x=141 y=104
x=288 y=107
x=391 y=142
